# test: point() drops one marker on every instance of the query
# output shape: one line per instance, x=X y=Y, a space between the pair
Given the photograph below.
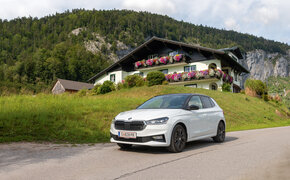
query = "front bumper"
x=144 y=137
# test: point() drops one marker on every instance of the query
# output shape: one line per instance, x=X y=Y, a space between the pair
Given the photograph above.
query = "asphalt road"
x=254 y=154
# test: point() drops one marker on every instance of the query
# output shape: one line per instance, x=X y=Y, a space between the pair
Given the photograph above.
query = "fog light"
x=159 y=138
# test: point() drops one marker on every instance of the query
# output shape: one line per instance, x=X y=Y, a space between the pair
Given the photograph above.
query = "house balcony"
x=210 y=75
x=162 y=66
x=162 y=62
x=194 y=81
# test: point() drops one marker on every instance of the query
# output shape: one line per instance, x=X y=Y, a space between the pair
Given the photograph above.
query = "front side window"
x=195 y=100
x=112 y=78
x=164 y=71
x=165 y=102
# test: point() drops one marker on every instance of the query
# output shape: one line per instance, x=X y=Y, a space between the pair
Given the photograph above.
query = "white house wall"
x=121 y=75
x=106 y=77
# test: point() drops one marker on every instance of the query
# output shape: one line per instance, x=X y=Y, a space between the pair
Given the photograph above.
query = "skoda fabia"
x=170 y=121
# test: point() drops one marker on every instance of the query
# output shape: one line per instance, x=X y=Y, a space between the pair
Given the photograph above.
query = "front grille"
x=134 y=125
x=138 y=139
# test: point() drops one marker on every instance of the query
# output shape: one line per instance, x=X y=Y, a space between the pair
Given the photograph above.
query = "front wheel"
x=221 y=133
x=124 y=146
x=178 y=139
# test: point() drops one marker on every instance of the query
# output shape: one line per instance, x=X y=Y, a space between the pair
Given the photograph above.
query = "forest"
x=36 y=51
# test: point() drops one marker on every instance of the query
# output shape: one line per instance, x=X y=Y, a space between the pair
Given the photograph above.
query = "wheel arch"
x=223 y=121
x=184 y=126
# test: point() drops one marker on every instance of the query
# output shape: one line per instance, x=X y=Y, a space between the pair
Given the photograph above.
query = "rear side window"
x=212 y=103
x=206 y=102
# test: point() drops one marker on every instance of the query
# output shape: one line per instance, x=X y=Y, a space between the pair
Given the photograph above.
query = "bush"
x=94 y=91
x=82 y=92
x=165 y=82
x=119 y=86
x=134 y=80
x=226 y=87
x=155 y=78
x=265 y=97
x=106 y=87
x=256 y=85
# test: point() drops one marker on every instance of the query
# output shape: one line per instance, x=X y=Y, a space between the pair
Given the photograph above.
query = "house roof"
x=222 y=53
x=235 y=50
x=75 y=85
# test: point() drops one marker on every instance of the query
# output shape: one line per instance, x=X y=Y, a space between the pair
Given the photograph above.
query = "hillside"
x=73 y=119
x=78 y=44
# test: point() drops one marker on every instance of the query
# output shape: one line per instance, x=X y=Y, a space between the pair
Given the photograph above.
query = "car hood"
x=147 y=114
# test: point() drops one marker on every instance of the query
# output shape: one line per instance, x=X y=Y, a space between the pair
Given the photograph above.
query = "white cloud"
x=156 y=6
x=231 y=24
x=266 y=15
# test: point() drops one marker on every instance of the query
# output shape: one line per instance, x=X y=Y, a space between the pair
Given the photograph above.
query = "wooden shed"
x=63 y=85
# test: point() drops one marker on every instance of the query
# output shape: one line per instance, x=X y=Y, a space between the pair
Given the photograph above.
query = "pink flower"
x=164 y=59
x=149 y=62
x=138 y=64
x=178 y=57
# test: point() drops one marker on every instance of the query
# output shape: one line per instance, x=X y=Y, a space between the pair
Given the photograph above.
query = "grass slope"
x=69 y=118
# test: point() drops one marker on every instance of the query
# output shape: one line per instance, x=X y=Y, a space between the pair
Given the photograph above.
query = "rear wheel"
x=221 y=133
x=124 y=146
x=178 y=139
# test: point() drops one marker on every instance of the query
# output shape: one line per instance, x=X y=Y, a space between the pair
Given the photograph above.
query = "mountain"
x=80 y=43
x=263 y=65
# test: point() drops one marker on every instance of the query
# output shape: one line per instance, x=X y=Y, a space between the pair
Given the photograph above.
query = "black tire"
x=178 y=139
x=221 y=133
x=124 y=146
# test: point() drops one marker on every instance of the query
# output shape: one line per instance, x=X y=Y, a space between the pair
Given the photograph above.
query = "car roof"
x=173 y=94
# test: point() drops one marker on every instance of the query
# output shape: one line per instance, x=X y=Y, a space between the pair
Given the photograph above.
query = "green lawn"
x=73 y=119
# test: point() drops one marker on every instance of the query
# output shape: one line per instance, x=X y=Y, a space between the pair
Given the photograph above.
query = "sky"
x=267 y=18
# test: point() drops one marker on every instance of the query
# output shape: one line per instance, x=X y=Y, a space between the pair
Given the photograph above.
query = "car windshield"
x=165 y=102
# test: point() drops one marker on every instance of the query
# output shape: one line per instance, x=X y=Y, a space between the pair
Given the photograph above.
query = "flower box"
x=197 y=75
x=158 y=61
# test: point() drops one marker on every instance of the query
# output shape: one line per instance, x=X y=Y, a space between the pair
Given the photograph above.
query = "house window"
x=191 y=85
x=112 y=77
x=151 y=56
x=213 y=86
x=164 y=71
x=189 y=68
x=236 y=76
x=212 y=66
x=173 y=53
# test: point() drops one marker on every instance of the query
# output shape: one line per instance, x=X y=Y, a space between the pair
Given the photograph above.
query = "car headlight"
x=157 y=121
x=113 y=121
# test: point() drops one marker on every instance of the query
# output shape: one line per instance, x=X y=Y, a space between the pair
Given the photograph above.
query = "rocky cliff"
x=263 y=65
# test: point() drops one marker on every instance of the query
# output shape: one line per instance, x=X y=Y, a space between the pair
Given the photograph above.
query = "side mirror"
x=192 y=107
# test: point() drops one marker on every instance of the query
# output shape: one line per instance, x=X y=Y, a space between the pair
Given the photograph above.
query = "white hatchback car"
x=170 y=121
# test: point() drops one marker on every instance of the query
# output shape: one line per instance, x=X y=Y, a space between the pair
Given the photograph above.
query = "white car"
x=170 y=121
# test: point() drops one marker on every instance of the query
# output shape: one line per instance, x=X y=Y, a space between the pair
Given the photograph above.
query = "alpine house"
x=183 y=64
